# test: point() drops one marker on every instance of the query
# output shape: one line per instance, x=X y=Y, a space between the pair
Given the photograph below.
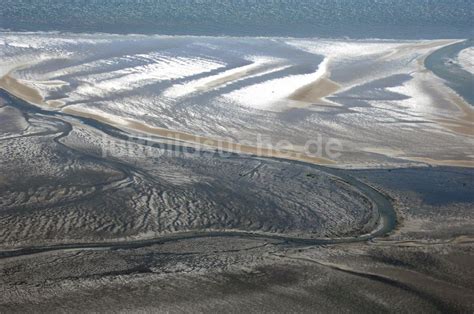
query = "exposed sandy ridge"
x=315 y=92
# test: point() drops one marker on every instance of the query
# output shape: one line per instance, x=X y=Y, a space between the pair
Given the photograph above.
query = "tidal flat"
x=169 y=226
x=114 y=195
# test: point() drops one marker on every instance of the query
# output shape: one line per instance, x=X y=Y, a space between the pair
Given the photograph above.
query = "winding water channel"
x=387 y=218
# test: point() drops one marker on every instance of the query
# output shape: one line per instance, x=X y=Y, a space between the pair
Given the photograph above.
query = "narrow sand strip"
x=206 y=84
x=25 y=92
x=231 y=77
x=201 y=140
x=316 y=91
x=14 y=87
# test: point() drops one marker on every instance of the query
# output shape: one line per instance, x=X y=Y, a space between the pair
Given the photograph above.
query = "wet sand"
x=14 y=87
x=463 y=123
x=222 y=145
x=30 y=95
x=316 y=91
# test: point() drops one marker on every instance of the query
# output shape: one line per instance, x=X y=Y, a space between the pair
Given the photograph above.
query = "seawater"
x=408 y=19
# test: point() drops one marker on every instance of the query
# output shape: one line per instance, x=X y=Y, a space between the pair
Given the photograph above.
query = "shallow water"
x=434 y=185
x=442 y=64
